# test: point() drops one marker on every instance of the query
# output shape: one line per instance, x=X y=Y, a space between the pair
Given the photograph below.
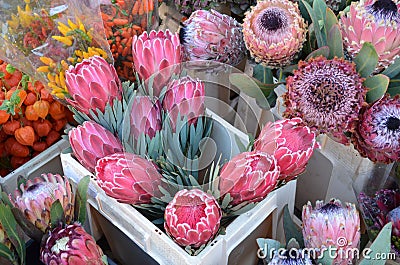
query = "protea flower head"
x=274 y=32
x=327 y=95
x=92 y=83
x=145 y=116
x=157 y=52
x=90 y=142
x=332 y=225
x=374 y=21
x=209 y=35
x=248 y=177
x=35 y=198
x=290 y=143
x=128 y=178
x=71 y=245
x=290 y=257
x=184 y=96
x=192 y=218
x=377 y=134
x=394 y=217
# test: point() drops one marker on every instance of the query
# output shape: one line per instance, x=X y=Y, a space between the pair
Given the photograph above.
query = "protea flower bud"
x=90 y=142
x=128 y=178
x=145 y=116
x=35 y=198
x=394 y=217
x=374 y=21
x=209 y=35
x=327 y=95
x=184 y=96
x=157 y=52
x=274 y=32
x=192 y=218
x=92 y=84
x=332 y=225
x=290 y=257
x=71 y=245
x=248 y=177
x=377 y=134
x=290 y=143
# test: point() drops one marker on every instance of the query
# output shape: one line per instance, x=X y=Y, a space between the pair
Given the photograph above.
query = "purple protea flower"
x=327 y=95
x=377 y=134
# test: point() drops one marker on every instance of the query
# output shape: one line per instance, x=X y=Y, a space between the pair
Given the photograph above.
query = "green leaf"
x=9 y=224
x=366 y=60
x=104 y=259
x=320 y=7
x=331 y=20
x=318 y=34
x=377 y=86
x=291 y=229
x=268 y=247
x=394 y=87
x=324 y=51
x=335 y=42
x=57 y=216
x=81 y=199
x=6 y=253
x=263 y=74
x=327 y=258
x=380 y=245
x=21 y=180
x=10 y=69
x=392 y=70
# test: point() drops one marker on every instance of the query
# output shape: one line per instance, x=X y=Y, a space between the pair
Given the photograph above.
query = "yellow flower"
x=66 y=40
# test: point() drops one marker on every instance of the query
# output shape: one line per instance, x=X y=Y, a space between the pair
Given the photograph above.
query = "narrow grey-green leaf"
x=268 y=246
x=392 y=70
x=320 y=7
x=377 y=86
x=6 y=253
x=57 y=215
x=366 y=60
x=318 y=34
x=9 y=224
x=291 y=229
x=324 y=51
x=331 y=20
x=394 y=87
x=81 y=199
x=335 y=42
x=327 y=259
x=380 y=245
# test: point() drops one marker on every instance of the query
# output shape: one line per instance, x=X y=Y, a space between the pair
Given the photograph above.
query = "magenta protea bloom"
x=184 y=96
x=249 y=177
x=377 y=134
x=35 y=198
x=290 y=143
x=157 y=52
x=128 y=178
x=145 y=116
x=209 y=35
x=92 y=84
x=192 y=218
x=71 y=245
x=374 y=21
x=90 y=142
x=332 y=225
x=327 y=95
x=274 y=32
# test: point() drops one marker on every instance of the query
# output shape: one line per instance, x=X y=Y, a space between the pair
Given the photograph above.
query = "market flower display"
x=327 y=95
x=192 y=218
x=332 y=224
x=377 y=134
x=92 y=84
x=274 y=32
x=291 y=143
x=374 y=21
x=145 y=116
x=91 y=141
x=210 y=35
x=128 y=178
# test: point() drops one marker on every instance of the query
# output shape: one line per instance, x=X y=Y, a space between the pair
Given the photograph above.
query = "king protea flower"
x=92 y=84
x=332 y=225
x=145 y=116
x=184 y=96
x=128 y=178
x=327 y=95
x=157 y=52
x=274 y=32
x=209 y=35
x=90 y=142
x=290 y=143
x=377 y=134
x=71 y=245
x=248 y=177
x=35 y=198
x=192 y=218
x=374 y=21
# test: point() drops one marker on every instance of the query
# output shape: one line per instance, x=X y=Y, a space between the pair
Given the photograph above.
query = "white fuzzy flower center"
x=60 y=245
x=40 y=189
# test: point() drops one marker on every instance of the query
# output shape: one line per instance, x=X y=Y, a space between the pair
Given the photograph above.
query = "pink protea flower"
x=274 y=32
x=377 y=134
x=248 y=177
x=35 y=198
x=145 y=116
x=332 y=225
x=90 y=142
x=327 y=95
x=394 y=217
x=184 y=96
x=209 y=35
x=157 y=52
x=128 y=178
x=290 y=143
x=71 y=245
x=192 y=218
x=374 y=21
x=92 y=84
